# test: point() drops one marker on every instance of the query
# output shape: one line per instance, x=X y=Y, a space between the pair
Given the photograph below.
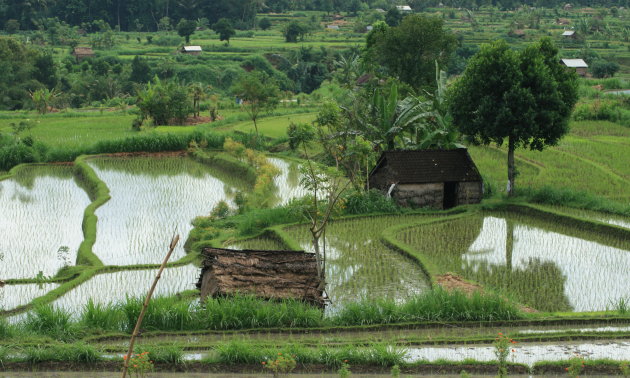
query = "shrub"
x=370 y=201
x=164 y=102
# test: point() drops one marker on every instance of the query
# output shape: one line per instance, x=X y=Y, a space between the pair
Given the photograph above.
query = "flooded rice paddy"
x=151 y=197
x=41 y=212
x=544 y=265
x=528 y=354
x=359 y=266
x=115 y=287
x=13 y=296
x=287 y=182
x=616 y=220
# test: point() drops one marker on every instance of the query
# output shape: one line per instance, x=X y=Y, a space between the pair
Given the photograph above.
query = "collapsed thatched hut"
x=266 y=274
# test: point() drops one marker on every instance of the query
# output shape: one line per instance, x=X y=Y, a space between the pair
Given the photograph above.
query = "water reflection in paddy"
x=41 y=211
x=595 y=275
x=545 y=265
x=117 y=286
x=150 y=198
x=359 y=266
x=12 y=296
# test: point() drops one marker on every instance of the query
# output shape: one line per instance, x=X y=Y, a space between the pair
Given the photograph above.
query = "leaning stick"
x=146 y=304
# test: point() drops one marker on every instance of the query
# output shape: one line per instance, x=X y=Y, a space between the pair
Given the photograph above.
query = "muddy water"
x=41 y=211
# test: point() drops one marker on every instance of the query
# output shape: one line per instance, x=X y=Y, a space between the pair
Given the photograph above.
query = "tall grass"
x=49 y=321
x=244 y=311
x=169 y=354
x=7 y=331
x=434 y=305
x=99 y=317
x=248 y=312
x=77 y=352
x=572 y=198
x=243 y=352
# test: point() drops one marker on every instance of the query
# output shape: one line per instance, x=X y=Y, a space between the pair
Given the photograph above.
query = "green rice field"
x=359 y=266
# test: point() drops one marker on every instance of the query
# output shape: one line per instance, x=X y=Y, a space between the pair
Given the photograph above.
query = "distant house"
x=563 y=21
x=81 y=53
x=567 y=7
x=579 y=65
x=332 y=27
x=569 y=34
x=266 y=274
x=428 y=178
x=191 y=50
x=404 y=8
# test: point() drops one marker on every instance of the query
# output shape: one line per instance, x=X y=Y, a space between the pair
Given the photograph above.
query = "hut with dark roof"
x=81 y=53
x=266 y=274
x=428 y=178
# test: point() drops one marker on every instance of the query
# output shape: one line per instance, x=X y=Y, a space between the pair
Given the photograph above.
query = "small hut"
x=266 y=274
x=579 y=65
x=81 y=53
x=191 y=50
x=569 y=34
x=404 y=8
x=428 y=178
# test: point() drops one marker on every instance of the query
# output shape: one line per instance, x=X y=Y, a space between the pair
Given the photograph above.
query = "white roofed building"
x=192 y=50
x=579 y=65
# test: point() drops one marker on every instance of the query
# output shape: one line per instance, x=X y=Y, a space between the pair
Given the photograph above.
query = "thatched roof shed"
x=266 y=274
x=81 y=53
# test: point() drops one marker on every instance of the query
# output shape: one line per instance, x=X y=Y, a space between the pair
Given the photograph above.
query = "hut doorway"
x=450 y=194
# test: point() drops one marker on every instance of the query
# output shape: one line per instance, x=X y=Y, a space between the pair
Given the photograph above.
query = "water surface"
x=115 y=287
x=544 y=265
x=151 y=197
x=359 y=266
x=41 y=212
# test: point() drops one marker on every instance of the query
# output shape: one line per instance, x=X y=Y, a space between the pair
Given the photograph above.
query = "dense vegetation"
x=326 y=85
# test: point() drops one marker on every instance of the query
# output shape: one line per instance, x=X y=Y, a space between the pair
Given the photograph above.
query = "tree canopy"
x=409 y=51
x=259 y=92
x=526 y=97
x=186 y=28
x=224 y=28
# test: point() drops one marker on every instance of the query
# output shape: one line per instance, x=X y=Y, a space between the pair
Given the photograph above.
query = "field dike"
x=88 y=265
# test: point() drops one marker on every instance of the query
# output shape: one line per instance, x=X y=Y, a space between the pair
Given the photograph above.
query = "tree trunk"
x=255 y=125
x=511 y=172
x=509 y=243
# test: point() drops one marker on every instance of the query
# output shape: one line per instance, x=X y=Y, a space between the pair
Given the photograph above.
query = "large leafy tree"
x=186 y=28
x=525 y=97
x=409 y=51
x=224 y=29
x=259 y=93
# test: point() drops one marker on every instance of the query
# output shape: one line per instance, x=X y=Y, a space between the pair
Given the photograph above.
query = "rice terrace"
x=315 y=188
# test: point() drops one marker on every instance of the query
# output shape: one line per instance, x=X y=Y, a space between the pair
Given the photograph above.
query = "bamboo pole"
x=136 y=330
